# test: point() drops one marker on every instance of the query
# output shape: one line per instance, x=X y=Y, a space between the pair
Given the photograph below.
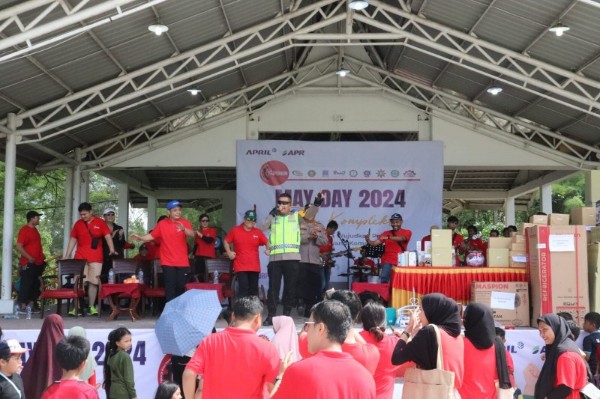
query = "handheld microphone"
x=339 y=235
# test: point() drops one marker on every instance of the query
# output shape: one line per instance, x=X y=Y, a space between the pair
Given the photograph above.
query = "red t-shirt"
x=385 y=373
x=239 y=353
x=327 y=247
x=572 y=372
x=367 y=355
x=32 y=243
x=202 y=247
x=173 y=243
x=453 y=354
x=510 y=364
x=326 y=375
x=480 y=381
x=71 y=389
x=246 y=245
x=83 y=233
x=392 y=248
x=153 y=248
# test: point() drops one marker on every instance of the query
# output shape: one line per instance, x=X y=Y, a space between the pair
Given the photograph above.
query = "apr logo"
x=536 y=349
x=287 y=153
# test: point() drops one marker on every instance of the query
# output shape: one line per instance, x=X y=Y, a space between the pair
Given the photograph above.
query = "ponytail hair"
x=111 y=348
x=373 y=319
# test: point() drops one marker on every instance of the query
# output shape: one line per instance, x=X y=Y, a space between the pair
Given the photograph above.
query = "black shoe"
x=268 y=321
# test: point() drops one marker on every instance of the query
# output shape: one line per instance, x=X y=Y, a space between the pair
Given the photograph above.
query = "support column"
x=592 y=187
x=229 y=211
x=123 y=218
x=10 y=161
x=546 y=198
x=68 y=208
x=509 y=211
x=424 y=123
x=77 y=184
x=151 y=212
x=84 y=190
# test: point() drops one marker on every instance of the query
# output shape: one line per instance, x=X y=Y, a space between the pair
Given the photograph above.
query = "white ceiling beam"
x=163 y=78
x=533 y=185
x=474 y=195
x=191 y=194
x=134 y=184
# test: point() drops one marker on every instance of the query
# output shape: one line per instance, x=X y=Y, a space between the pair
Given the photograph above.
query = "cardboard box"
x=441 y=238
x=441 y=256
x=594 y=234
x=538 y=219
x=518 y=247
x=525 y=226
x=583 y=216
x=593 y=271
x=517 y=259
x=558 y=219
x=518 y=238
x=497 y=257
x=499 y=242
x=488 y=292
x=558 y=270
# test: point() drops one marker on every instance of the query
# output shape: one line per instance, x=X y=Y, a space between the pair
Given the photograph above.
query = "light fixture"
x=494 y=90
x=194 y=92
x=559 y=28
x=158 y=29
x=358 y=4
x=342 y=72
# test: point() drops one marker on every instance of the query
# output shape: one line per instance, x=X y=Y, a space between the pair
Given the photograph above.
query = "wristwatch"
x=407 y=333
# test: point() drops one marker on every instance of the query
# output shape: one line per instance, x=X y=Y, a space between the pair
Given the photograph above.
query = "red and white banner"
x=364 y=183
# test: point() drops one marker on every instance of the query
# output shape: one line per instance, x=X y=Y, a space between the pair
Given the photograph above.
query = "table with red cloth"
x=116 y=291
x=454 y=282
x=382 y=289
x=207 y=286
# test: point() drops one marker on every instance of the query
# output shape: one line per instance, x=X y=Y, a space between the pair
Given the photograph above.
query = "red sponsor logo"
x=274 y=173
x=165 y=373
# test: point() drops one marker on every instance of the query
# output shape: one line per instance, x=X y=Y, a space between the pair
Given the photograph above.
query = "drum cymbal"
x=360 y=267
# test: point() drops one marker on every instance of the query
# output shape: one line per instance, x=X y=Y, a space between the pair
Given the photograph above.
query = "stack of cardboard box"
x=509 y=301
x=497 y=251
x=441 y=247
x=587 y=217
x=517 y=256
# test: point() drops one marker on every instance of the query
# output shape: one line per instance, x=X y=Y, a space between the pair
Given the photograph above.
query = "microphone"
x=339 y=235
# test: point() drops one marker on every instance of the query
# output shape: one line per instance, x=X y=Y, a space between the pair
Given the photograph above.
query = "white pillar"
x=151 y=212
x=229 y=214
x=68 y=208
x=10 y=162
x=546 y=198
x=592 y=187
x=123 y=204
x=509 y=211
x=76 y=184
x=424 y=123
x=84 y=190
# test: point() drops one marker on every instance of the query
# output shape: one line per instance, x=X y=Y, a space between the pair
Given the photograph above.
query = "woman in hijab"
x=89 y=372
x=286 y=337
x=484 y=355
x=564 y=372
x=418 y=343
x=42 y=368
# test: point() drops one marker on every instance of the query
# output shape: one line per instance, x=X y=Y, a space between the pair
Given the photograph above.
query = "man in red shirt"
x=205 y=246
x=330 y=373
x=29 y=245
x=172 y=232
x=235 y=363
x=246 y=239
x=326 y=255
x=87 y=234
x=473 y=248
x=395 y=242
x=71 y=353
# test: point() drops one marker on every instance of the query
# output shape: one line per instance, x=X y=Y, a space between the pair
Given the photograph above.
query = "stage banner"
x=363 y=184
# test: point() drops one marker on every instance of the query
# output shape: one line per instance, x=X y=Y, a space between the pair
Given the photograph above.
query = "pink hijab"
x=286 y=337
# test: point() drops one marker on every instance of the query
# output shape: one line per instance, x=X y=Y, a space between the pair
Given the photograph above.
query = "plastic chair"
x=67 y=270
x=155 y=290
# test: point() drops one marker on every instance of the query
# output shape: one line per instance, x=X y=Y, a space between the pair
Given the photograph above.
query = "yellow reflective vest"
x=285 y=234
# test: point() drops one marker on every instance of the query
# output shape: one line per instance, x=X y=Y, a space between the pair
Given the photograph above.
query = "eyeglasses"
x=307 y=323
x=204 y=220
x=283 y=202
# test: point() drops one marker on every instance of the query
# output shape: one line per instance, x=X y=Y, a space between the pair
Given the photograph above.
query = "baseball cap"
x=396 y=216
x=32 y=214
x=172 y=204
x=109 y=210
x=250 y=215
x=10 y=347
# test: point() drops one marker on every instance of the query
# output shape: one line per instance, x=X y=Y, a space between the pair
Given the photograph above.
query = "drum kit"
x=363 y=266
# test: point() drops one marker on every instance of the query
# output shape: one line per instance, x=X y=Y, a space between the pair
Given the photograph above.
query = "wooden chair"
x=68 y=269
x=122 y=269
x=225 y=268
x=155 y=290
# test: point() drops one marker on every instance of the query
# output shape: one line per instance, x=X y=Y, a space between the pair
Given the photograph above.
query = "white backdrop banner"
x=363 y=184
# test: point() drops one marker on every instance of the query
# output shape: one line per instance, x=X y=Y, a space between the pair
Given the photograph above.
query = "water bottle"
x=111 y=276
x=140 y=276
x=28 y=312
x=216 y=277
x=15 y=315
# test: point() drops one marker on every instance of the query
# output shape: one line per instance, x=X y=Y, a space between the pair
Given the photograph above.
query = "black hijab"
x=480 y=330
x=562 y=343
x=422 y=349
x=442 y=311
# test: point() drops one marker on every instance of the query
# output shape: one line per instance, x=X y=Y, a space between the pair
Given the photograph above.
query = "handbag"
x=428 y=384
x=504 y=393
